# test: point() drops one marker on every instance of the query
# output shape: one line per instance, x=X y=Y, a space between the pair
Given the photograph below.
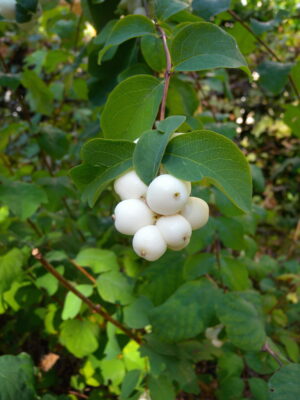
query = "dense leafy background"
x=75 y=76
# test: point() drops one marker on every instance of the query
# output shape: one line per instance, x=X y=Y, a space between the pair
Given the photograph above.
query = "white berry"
x=196 y=211
x=167 y=195
x=8 y=9
x=176 y=231
x=140 y=11
x=131 y=215
x=148 y=243
x=130 y=186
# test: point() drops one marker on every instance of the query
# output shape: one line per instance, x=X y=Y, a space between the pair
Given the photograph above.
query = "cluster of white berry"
x=160 y=216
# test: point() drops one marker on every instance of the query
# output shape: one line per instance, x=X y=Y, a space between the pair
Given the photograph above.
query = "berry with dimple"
x=131 y=215
x=130 y=186
x=196 y=211
x=166 y=195
x=176 y=231
x=149 y=243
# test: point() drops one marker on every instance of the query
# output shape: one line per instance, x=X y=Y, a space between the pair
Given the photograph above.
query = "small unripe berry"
x=196 y=211
x=148 y=243
x=131 y=215
x=166 y=194
x=130 y=186
x=176 y=231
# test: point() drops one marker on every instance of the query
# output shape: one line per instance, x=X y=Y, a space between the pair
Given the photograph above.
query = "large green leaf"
x=16 y=378
x=22 y=198
x=284 y=384
x=186 y=313
x=40 y=96
x=127 y=28
x=153 y=52
x=151 y=146
x=206 y=154
x=132 y=107
x=164 y=9
x=209 y=8
x=100 y=260
x=244 y=326
x=202 y=45
x=273 y=75
x=10 y=268
x=79 y=337
x=103 y=161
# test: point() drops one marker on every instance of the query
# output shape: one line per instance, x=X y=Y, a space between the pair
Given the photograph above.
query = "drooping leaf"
x=206 y=154
x=209 y=8
x=127 y=28
x=17 y=378
x=79 y=337
x=273 y=75
x=164 y=9
x=284 y=384
x=100 y=260
x=132 y=107
x=22 y=198
x=202 y=45
x=186 y=313
x=243 y=324
x=40 y=96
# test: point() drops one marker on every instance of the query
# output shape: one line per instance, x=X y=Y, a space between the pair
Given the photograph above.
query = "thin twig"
x=34 y=227
x=264 y=44
x=94 y=307
x=272 y=353
x=168 y=72
x=83 y=271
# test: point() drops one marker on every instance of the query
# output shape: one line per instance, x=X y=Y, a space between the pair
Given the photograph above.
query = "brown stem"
x=168 y=72
x=34 y=227
x=264 y=44
x=272 y=353
x=83 y=271
x=94 y=307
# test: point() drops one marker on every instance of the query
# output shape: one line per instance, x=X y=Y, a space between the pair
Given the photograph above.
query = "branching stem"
x=264 y=44
x=272 y=353
x=94 y=307
x=168 y=72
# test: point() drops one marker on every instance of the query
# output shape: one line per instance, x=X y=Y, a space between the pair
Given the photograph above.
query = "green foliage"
x=79 y=83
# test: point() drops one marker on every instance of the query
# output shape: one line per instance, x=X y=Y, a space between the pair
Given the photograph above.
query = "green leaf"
x=132 y=107
x=79 y=337
x=231 y=233
x=53 y=141
x=99 y=260
x=136 y=314
x=245 y=40
x=73 y=303
x=129 y=383
x=164 y=9
x=22 y=198
x=182 y=98
x=170 y=124
x=129 y=27
x=161 y=388
x=202 y=45
x=242 y=321
x=198 y=265
x=103 y=161
x=186 y=313
x=25 y=9
x=10 y=268
x=292 y=118
x=273 y=75
x=153 y=52
x=148 y=154
x=48 y=281
x=206 y=154
x=17 y=378
x=209 y=8
x=234 y=274
x=11 y=81
x=284 y=384
x=260 y=27
x=259 y=388
x=40 y=96
x=115 y=287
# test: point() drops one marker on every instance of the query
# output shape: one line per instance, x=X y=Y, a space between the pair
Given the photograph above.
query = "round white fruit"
x=8 y=9
x=176 y=231
x=131 y=215
x=148 y=243
x=130 y=186
x=166 y=195
x=140 y=11
x=196 y=211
